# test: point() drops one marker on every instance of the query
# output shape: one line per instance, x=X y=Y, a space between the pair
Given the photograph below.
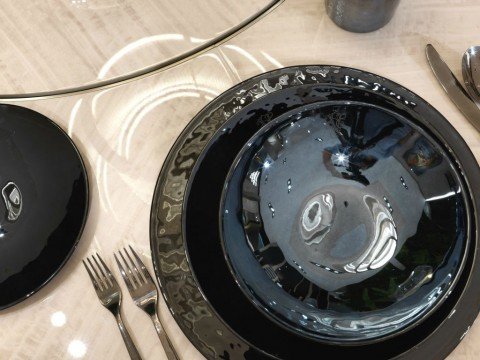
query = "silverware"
x=110 y=296
x=144 y=293
x=452 y=86
x=471 y=77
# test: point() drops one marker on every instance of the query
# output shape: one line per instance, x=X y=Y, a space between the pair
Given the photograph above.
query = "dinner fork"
x=110 y=296
x=144 y=293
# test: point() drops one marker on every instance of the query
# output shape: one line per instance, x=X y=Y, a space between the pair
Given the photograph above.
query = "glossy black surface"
x=187 y=248
x=343 y=221
x=44 y=201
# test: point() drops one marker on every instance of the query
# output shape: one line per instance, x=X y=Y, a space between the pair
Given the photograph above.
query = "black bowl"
x=220 y=311
x=344 y=221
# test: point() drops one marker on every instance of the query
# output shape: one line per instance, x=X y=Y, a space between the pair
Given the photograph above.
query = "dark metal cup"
x=361 y=15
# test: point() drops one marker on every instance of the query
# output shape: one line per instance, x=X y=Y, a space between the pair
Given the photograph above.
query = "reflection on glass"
x=272 y=59
x=58 y=319
x=73 y=116
x=247 y=55
x=77 y=349
x=132 y=47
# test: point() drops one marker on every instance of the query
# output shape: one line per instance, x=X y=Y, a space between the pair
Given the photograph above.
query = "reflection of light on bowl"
x=77 y=349
x=340 y=159
x=58 y=319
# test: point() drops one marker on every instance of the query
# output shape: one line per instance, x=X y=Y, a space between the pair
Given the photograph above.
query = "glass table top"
x=53 y=44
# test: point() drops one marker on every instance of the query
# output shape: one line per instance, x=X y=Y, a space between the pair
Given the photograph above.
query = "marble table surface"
x=125 y=132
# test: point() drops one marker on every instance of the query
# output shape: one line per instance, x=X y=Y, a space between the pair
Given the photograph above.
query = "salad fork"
x=110 y=296
x=144 y=293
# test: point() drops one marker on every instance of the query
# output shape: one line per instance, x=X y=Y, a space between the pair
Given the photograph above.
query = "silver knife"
x=453 y=87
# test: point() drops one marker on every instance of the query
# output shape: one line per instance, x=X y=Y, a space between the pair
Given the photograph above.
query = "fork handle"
x=132 y=349
x=162 y=335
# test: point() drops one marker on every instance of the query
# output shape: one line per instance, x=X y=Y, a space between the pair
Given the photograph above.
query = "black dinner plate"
x=198 y=282
x=44 y=201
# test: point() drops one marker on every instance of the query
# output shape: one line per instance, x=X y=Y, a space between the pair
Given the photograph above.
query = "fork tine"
x=99 y=278
x=124 y=274
x=145 y=272
x=92 y=277
x=109 y=273
x=100 y=268
x=129 y=272
x=135 y=268
x=111 y=298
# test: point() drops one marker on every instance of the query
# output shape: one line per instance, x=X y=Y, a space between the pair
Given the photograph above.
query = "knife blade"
x=453 y=87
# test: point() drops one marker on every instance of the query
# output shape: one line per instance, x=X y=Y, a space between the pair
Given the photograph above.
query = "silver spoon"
x=471 y=72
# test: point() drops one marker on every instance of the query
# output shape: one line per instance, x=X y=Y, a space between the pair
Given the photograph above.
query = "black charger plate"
x=185 y=224
x=44 y=201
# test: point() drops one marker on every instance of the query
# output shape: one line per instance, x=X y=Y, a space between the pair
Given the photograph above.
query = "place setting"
x=327 y=211
x=310 y=210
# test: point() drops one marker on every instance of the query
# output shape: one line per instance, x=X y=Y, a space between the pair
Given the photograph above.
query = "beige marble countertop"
x=125 y=132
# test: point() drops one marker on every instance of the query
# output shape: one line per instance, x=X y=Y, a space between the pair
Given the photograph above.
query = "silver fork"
x=144 y=293
x=110 y=296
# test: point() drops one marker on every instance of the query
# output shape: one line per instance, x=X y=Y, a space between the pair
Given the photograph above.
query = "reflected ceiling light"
x=133 y=46
x=247 y=55
x=439 y=197
x=73 y=116
x=272 y=59
x=58 y=319
x=77 y=349
x=198 y=40
x=340 y=159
